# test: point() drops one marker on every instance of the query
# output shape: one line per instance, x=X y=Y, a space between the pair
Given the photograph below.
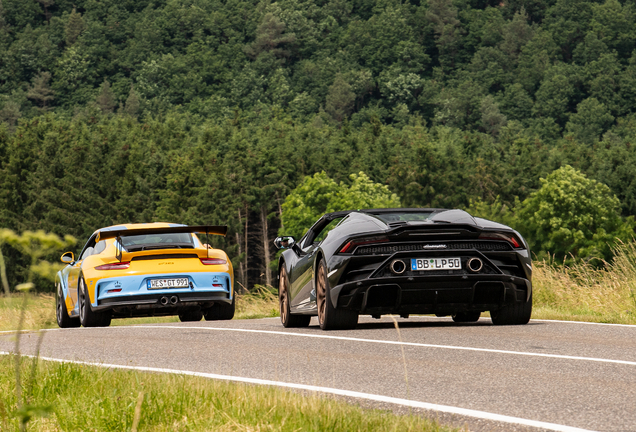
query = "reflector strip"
x=114 y=266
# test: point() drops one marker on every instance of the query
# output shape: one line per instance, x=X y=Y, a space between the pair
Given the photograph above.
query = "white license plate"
x=168 y=283
x=436 y=264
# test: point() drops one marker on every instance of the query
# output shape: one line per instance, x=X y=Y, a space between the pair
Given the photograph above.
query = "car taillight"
x=114 y=266
x=352 y=244
x=212 y=261
x=510 y=238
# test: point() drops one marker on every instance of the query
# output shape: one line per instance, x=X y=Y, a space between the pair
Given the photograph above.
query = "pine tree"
x=106 y=98
x=74 y=27
x=340 y=99
x=3 y=22
x=40 y=91
x=132 y=103
x=47 y=4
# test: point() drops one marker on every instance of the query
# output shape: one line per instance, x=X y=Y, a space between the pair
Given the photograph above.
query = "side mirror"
x=68 y=258
x=284 y=242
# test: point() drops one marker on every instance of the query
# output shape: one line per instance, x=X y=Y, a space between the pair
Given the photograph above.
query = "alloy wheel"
x=58 y=306
x=282 y=295
x=82 y=302
x=321 y=294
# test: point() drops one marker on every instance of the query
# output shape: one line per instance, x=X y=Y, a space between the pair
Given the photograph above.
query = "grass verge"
x=261 y=302
x=582 y=292
x=92 y=398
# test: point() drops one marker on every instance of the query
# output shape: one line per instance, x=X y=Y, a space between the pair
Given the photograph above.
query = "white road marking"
x=588 y=323
x=348 y=393
x=428 y=318
x=389 y=342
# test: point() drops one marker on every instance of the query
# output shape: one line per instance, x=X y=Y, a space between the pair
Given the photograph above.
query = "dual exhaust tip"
x=165 y=300
x=398 y=266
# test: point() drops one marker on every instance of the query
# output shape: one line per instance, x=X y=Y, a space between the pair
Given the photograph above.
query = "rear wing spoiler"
x=198 y=229
x=183 y=229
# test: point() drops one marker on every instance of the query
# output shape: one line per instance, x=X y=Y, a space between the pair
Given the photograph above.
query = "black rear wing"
x=198 y=229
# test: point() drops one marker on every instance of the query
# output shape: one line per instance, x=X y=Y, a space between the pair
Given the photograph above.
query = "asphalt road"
x=572 y=374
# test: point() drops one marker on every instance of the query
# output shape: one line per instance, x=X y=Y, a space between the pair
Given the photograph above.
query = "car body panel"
x=127 y=287
x=444 y=233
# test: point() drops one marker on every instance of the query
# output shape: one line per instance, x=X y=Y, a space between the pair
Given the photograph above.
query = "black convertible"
x=404 y=261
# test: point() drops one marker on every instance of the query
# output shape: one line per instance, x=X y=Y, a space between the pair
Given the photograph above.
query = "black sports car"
x=404 y=261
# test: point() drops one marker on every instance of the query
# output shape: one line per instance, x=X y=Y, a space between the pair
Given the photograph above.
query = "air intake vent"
x=478 y=245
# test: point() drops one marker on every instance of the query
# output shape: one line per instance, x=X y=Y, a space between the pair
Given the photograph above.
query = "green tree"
x=340 y=99
x=40 y=91
x=106 y=98
x=132 y=106
x=591 y=119
x=320 y=194
x=571 y=215
x=74 y=27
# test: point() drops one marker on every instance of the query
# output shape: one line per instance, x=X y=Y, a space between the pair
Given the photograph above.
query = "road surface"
x=563 y=375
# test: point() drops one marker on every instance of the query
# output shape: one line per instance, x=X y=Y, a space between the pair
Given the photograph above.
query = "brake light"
x=351 y=245
x=212 y=261
x=499 y=236
x=114 y=266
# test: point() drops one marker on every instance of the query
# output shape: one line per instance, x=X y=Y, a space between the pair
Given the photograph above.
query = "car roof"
x=334 y=215
x=139 y=225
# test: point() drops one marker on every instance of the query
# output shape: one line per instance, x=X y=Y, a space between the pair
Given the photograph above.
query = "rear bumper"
x=130 y=294
x=442 y=295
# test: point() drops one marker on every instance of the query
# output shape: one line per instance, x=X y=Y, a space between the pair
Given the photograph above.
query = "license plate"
x=168 y=283
x=436 y=264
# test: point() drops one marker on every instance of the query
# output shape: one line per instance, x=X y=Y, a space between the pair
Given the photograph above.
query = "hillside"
x=212 y=112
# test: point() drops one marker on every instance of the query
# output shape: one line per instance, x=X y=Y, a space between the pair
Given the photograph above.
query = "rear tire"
x=286 y=318
x=220 y=311
x=329 y=317
x=88 y=317
x=517 y=313
x=466 y=317
x=61 y=313
x=191 y=316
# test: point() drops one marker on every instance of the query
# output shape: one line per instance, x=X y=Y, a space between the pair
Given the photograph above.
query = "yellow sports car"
x=154 y=269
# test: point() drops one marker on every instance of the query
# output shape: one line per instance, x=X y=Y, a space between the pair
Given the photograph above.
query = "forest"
x=210 y=111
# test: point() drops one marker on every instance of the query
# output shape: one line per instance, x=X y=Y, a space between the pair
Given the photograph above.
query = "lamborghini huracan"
x=153 y=269
x=404 y=261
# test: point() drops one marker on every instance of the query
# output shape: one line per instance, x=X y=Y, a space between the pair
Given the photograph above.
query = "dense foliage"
x=319 y=194
x=204 y=111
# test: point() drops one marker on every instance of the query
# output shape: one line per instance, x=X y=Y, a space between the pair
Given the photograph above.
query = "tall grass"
x=98 y=399
x=587 y=293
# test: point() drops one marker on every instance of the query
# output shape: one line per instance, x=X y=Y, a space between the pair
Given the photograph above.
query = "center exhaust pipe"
x=164 y=301
x=174 y=300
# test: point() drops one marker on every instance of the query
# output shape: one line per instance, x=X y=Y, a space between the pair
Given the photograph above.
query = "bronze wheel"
x=329 y=317
x=286 y=317
x=282 y=295
x=321 y=294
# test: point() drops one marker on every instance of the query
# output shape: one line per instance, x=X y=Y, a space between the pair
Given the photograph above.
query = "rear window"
x=157 y=241
x=404 y=216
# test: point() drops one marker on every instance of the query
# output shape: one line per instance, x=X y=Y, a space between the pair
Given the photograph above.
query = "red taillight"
x=217 y=285
x=114 y=266
x=114 y=290
x=351 y=245
x=499 y=236
x=212 y=261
